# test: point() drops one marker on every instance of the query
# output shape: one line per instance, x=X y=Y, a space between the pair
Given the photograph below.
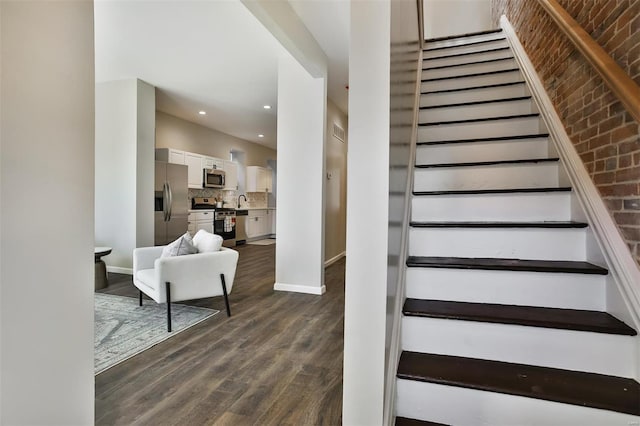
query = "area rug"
x=124 y=329
x=265 y=242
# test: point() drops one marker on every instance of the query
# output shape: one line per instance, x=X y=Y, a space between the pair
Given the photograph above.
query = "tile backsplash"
x=230 y=198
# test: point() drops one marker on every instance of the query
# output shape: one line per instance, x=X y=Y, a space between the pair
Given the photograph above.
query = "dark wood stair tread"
x=533 y=316
x=489 y=101
x=550 y=224
x=492 y=139
x=465 y=64
x=404 y=421
x=478 y=52
x=493 y=191
x=564 y=266
x=477 y=74
x=484 y=86
x=479 y=120
x=487 y=163
x=451 y=37
x=551 y=384
x=473 y=43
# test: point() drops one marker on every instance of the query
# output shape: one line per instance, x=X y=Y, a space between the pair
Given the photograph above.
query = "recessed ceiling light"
x=202 y=112
x=261 y=135
x=267 y=107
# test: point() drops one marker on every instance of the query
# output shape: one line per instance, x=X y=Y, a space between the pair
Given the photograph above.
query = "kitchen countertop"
x=247 y=208
x=200 y=210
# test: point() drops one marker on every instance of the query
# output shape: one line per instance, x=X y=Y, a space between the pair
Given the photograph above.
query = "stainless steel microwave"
x=213 y=178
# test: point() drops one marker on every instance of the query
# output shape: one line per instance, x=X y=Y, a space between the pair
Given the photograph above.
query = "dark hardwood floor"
x=276 y=361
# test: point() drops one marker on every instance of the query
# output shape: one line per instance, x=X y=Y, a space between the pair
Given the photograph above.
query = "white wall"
x=300 y=218
x=367 y=227
x=124 y=157
x=285 y=25
x=449 y=17
x=174 y=132
x=46 y=168
x=336 y=186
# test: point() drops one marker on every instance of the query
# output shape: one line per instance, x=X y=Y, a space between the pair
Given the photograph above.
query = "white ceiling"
x=214 y=56
x=328 y=22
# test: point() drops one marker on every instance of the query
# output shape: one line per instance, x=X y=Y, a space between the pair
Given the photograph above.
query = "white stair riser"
x=518 y=149
x=474 y=95
x=463 y=40
x=470 y=68
x=476 y=57
x=481 y=129
x=486 y=207
x=524 y=288
x=469 y=407
x=472 y=81
x=494 y=109
x=567 y=349
x=509 y=176
x=511 y=243
x=494 y=44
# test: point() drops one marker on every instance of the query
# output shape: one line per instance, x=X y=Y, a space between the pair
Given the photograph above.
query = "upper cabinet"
x=170 y=155
x=212 y=163
x=194 y=163
x=230 y=175
x=258 y=179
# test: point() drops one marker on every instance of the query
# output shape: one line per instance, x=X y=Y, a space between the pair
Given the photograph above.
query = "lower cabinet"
x=260 y=223
x=200 y=220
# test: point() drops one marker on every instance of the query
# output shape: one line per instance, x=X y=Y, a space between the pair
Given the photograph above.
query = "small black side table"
x=101 y=268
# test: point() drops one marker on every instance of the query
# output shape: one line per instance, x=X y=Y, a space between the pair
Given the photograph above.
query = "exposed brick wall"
x=603 y=133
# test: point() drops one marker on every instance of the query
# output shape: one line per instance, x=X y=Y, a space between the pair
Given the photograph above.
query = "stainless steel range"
x=224 y=224
x=224 y=219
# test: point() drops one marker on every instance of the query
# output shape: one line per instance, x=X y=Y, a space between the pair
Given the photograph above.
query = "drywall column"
x=367 y=220
x=46 y=167
x=300 y=218
x=125 y=166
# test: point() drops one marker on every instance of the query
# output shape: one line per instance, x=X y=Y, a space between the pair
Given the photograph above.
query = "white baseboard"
x=617 y=256
x=296 y=288
x=119 y=270
x=334 y=259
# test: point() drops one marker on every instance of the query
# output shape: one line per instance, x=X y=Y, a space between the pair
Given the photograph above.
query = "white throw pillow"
x=206 y=241
x=181 y=246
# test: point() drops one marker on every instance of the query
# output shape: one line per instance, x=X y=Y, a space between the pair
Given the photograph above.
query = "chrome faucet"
x=245 y=199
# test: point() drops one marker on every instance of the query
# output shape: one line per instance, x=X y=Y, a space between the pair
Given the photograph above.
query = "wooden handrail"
x=612 y=74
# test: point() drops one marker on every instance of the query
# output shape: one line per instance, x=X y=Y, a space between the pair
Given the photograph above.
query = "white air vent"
x=338 y=132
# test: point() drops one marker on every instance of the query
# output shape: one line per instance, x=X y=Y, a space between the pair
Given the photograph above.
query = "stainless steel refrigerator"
x=171 y=202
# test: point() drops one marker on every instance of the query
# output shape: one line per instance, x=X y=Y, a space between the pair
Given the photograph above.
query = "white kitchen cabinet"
x=258 y=223
x=230 y=175
x=200 y=220
x=194 y=164
x=170 y=155
x=212 y=163
x=258 y=179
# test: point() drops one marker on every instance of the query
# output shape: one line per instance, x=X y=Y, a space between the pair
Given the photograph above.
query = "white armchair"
x=192 y=276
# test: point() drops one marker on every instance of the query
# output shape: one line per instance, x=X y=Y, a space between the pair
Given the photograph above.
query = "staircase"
x=504 y=319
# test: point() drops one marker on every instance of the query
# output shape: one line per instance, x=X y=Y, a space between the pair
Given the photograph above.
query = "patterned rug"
x=124 y=329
